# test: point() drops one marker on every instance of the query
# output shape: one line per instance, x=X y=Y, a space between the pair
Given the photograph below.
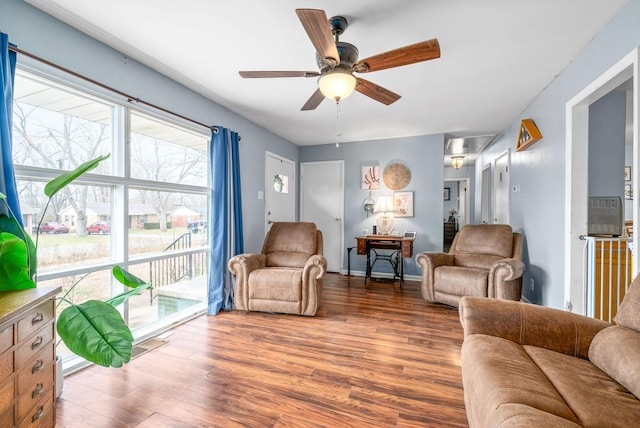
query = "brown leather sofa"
x=286 y=277
x=529 y=366
x=484 y=260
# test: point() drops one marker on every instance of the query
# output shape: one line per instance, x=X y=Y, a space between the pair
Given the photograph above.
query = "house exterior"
x=139 y=214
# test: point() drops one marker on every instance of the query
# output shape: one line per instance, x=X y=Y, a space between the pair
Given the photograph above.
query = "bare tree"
x=58 y=141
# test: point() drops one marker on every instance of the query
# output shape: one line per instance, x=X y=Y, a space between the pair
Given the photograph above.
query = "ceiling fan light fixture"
x=457 y=161
x=337 y=85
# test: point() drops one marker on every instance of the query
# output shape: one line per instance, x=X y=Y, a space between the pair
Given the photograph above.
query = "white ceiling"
x=497 y=55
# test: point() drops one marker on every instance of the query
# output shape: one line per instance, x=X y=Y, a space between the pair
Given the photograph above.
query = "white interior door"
x=463 y=203
x=280 y=190
x=485 y=195
x=322 y=203
x=501 y=189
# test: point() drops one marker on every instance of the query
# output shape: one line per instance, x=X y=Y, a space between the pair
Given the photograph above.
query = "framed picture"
x=447 y=193
x=370 y=177
x=627 y=192
x=403 y=204
x=627 y=173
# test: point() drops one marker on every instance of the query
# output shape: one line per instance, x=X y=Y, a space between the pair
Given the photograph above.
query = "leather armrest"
x=245 y=263
x=433 y=260
x=507 y=269
x=528 y=324
x=315 y=267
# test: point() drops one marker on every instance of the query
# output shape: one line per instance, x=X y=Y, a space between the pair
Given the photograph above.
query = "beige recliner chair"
x=484 y=260
x=287 y=276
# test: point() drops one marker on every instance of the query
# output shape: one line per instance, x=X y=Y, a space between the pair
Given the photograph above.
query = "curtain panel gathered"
x=225 y=231
x=7 y=176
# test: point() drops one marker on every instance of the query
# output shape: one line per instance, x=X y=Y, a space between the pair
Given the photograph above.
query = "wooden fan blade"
x=376 y=92
x=423 y=51
x=316 y=25
x=314 y=101
x=260 y=74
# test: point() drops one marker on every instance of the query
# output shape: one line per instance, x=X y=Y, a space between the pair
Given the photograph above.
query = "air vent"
x=605 y=216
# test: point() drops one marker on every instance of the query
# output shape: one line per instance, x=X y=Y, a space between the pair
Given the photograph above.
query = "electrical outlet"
x=532 y=284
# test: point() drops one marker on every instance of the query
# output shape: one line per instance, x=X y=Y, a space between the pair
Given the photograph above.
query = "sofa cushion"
x=596 y=399
x=616 y=351
x=290 y=244
x=461 y=281
x=487 y=239
x=276 y=284
x=497 y=372
x=628 y=314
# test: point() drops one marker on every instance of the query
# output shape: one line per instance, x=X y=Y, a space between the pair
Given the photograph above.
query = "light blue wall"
x=423 y=156
x=538 y=211
x=46 y=37
x=607 y=118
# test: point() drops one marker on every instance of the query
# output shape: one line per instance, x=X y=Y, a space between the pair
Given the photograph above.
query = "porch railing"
x=609 y=273
x=170 y=270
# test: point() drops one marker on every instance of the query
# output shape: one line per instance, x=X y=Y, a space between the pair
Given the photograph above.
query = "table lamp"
x=385 y=221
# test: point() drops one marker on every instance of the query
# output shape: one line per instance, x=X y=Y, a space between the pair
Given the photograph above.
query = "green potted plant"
x=93 y=330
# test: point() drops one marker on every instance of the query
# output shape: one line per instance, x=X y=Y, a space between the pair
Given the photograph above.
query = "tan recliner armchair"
x=484 y=260
x=287 y=276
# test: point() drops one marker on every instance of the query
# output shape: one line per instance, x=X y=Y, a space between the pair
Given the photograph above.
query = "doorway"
x=280 y=189
x=577 y=176
x=485 y=195
x=501 y=189
x=322 y=203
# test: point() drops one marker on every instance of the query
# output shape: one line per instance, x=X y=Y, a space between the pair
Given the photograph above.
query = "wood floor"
x=376 y=356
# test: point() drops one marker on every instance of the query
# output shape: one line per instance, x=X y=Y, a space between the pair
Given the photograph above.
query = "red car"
x=53 y=227
x=99 y=227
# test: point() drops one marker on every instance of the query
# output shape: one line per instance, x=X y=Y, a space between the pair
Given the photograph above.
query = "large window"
x=145 y=208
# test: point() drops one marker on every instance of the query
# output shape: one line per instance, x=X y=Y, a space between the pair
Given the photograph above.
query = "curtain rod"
x=129 y=98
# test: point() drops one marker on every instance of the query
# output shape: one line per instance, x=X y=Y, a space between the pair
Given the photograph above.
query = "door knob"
x=338 y=219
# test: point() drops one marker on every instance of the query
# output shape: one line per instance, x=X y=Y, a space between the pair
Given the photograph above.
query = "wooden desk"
x=401 y=248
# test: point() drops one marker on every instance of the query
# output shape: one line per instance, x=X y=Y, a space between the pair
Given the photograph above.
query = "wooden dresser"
x=27 y=357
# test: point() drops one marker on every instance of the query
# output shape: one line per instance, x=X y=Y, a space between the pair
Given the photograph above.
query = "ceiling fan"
x=338 y=61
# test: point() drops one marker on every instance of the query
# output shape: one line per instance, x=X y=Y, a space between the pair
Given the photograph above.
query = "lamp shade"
x=385 y=221
x=384 y=205
x=337 y=85
x=457 y=161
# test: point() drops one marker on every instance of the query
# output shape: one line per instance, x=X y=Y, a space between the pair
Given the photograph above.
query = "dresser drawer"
x=7 y=418
x=6 y=338
x=7 y=365
x=32 y=413
x=7 y=394
x=39 y=370
x=35 y=319
x=34 y=345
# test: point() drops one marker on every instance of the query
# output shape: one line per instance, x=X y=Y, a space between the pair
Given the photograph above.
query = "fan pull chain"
x=338 y=123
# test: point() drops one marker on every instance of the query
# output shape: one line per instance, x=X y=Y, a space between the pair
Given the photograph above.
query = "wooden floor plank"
x=375 y=355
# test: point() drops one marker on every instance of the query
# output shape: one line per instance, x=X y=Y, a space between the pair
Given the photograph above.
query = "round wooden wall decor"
x=396 y=176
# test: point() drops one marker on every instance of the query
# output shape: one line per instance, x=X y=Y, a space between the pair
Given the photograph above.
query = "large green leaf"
x=126 y=277
x=95 y=330
x=58 y=183
x=14 y=267
x=9 y=224
x=136 y=285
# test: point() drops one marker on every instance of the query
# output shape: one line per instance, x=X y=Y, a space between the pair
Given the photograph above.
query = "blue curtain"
x=225 y=232
x=7 y=177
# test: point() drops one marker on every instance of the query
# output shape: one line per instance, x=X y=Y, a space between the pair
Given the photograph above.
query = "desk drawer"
x=35 y=319
x=6 y=338
x=27 y=350
x=7 y=393
x=32 y=412
x=40 y=370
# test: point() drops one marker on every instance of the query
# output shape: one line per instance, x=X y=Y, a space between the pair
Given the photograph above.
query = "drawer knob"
x=39 y=365
x=36 y=343
x=38 y=391
x=38 y=414
x=37 y=319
